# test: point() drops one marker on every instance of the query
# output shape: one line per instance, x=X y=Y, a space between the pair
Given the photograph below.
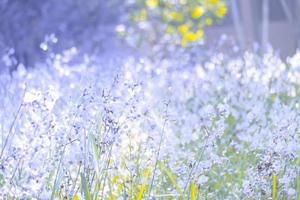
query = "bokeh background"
x=29 y=28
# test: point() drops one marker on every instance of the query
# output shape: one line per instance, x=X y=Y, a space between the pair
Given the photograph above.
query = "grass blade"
x=193 y=191
x=274 y=187
x=85 y=188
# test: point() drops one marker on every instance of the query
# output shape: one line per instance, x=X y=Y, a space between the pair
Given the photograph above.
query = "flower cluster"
x=139 y=128
x=179 y=22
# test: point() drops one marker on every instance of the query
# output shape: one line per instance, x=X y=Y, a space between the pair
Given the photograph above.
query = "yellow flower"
x=183 y=29
x=221 y=11
x=193 y=37
x=190 y=37
x=187 y=38
x=208 y=21
x=197 y=12
x=213 y=1
x=152 y=3
x=175 y=16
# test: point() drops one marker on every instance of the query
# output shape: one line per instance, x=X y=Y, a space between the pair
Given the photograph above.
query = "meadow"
x=224 y=127
x=123 y=100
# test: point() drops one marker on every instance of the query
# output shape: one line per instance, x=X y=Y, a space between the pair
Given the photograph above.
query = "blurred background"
x=31 y=30
x=274 y=22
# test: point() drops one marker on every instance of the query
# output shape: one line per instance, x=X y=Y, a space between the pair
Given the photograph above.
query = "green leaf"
x=85 y=188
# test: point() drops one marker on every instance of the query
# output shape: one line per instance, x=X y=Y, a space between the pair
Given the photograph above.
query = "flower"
x=221 y=11
x=197 y=12
x=175 y=16
x=183 y=29
x=152 y=3
x=214 y=2
x=191 y=37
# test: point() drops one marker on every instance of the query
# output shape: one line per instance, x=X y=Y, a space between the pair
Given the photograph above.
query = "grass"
x=160 y=182
x=196 y=159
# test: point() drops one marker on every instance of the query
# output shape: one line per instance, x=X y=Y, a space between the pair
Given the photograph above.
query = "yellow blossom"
x=187 y=38
x=197 y=12
x=183 y=29
x=191 y=37
x=152 y=3
x=175 y=16
x=214 y=2
x=221 y=11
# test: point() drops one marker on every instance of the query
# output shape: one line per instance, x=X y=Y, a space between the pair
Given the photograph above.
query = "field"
x=226 y=127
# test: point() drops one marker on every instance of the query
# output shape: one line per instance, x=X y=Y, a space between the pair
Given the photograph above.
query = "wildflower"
x=223 y=109
x=197 y=12
x=214 y=2
x=191 y=37
x=183 y=29
x=221 y=11
x=175 y=16
x=152 y=3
